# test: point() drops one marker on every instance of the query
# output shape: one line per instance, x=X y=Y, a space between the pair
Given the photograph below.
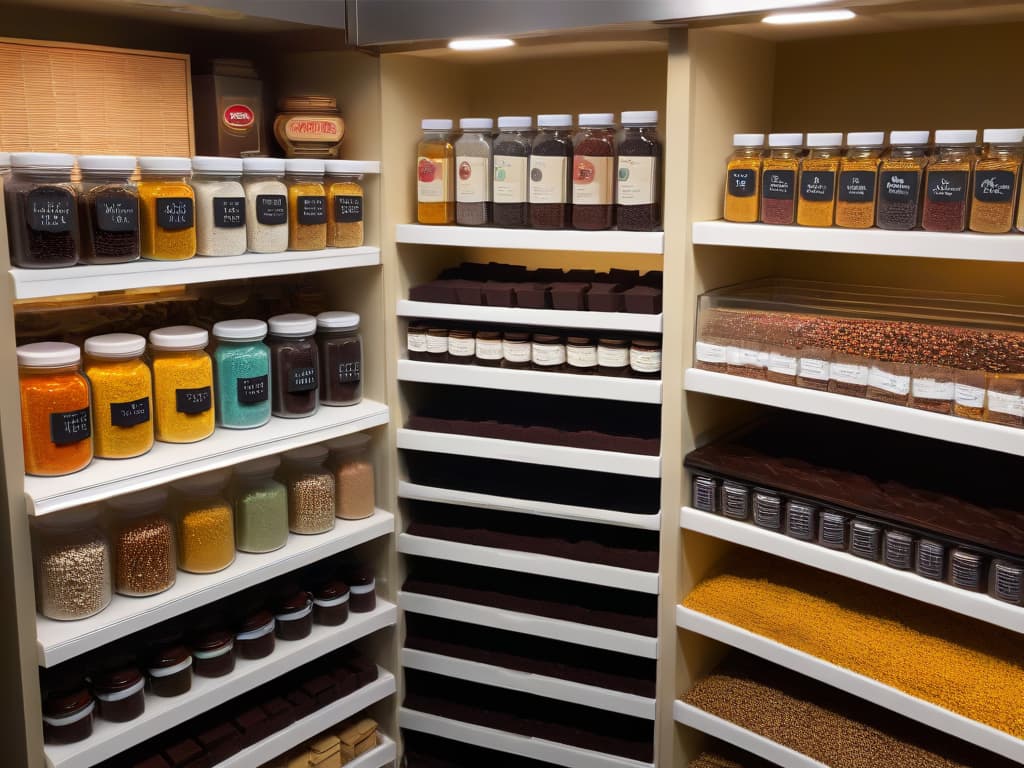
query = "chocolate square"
x=366 y=671
x=605 y=297
x=546 y=275
x=437 y=292
x=220 y=742
x=302 y=705
x=499 y=294
x=474 y=270
x=154 y=761
x=533 y=295
x=346 y=679
x=322 y=689
x=629 y=277
x=643 y=300
x=653 y=279
x=580 y=275
x=183 y=752
x=468 y=292
x=569 y=296
x=506 y=273
x=252 y=723
x=280 y=714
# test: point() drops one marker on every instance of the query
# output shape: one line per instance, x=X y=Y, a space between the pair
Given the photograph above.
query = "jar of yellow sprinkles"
x=121 y=389
x=206 y=528
x=167 y=208
x=182 y=384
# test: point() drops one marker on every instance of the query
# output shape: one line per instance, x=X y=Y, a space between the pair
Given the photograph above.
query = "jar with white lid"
x=511 y=171
x=72 y=564
x=341 y=358
x=42 y=211
x=996 y=181
x=122 y=386
x=638 y=175
x=182 y=384
x=266 y=205
x=294 y=364
x=473 y=150
x=108 y=208
x=241 y=363
x=593 y=172
x=901 y=180
x=344 y=186
x=167 y=208
x=220 y=206
x=947 y=183
x=551 y=172
x=307 y=205
x=145 y=553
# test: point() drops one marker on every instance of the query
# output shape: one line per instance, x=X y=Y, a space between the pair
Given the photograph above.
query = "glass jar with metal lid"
x=213 y=653
x=293 y=616
x=68 y=715
x=42 y=211
x=119 y=693
x=255 y=636
x=170 y=670
x=581 y=354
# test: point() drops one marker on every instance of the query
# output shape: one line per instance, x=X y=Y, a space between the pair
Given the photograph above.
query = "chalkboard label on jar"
x=743 y=182
x=947 y=186
x=817 y=186
x=271 y=209
x=312 y=209
x=857 y=186
x=348 y=209
x=778 y=185
x=349 y=372
x=70 y=427
x=994 y=186
x=899 y=186
x=117 y=213
x=302 y=379
x=50 y=209
x=130 y=414
x=195 y=400
x=255 y=389
x=229 y=212
x=174 y=213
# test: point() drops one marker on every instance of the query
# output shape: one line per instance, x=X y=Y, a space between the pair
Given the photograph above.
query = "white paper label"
x=509 y=179
x=782 y=364
x=581 y=357
x=811 y=368
x=548 y=354
x=710 y=353
x=1002 y=402
x=592 y=180
x=637 y=177
x=930 y=389
x=458 y=347
x=416 y=342
x=849 y=373
x=740 y=356
x=432 y=179
x=516 y=351
x=471 y=184
x=613 y=357
x=547 y=179
x=488 y=349
x=969 y=397
x=645 y=361
x=888 y=381
x=437 y=345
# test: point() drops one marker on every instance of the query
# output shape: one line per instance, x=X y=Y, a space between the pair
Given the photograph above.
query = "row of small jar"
x=549 y=351
x=137 y=547
x=551 y=178
x=180 y=208
x=950 y=187
x=69 y=415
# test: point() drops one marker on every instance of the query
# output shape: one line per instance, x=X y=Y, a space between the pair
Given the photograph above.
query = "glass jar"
x=68 y=716
x=220 y=206
x=294 y=364
x=345 y=202
x=266 y=205
x=593 y=172
x=516 y=350
x=858 y=180
x=638 y=177
x=900 y=181
x=311 y=490
x=612 y=357
x=511 y=173
x=309 y=126
x=353 y=476
x=473 y=151
x=581 y=354
x=261 y=506
x=145 y=555
x=42 y=211
x=778 y=178
x=122 y=385
x=817 y=184
x=437 y=345
x=293 y=616
x=182 y=384
x=56 y=424
x=330 y=604
x=547 y=352
x=73 y=564
x=241 y=364
x=341 y=358
x=119 y=693
x=435 y=180
x=362 y=587
x=166 y=208
x=255 y=636
x=170 y=671
x=996 y=179
x=416 y=342
x=461 y=346
x=488 y=348
x=108 y=210
x=213 y=653
x=645 y=358
x=206 y=529
x=743 y=178
x=551 y=156
x=947 y=182
x=307 y=205
x=5 y=167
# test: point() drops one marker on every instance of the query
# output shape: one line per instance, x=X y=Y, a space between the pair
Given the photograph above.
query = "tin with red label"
x=309 y=126
x=228 y=106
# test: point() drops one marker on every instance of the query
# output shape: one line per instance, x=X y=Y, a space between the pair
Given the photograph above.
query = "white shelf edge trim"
x=407 y=490
x=705 y=722
x=529 y=562
x=503 y=741
x=59 y=641
x=861 y=410
x=858 y=685
x=111 y=739
x=526 y=682
x=94 y=278
x=528 y=624
x=167 y=462
x=614 y=462
x=550 y=318
x=617 y=388
x=605 y=241
x=907 y=583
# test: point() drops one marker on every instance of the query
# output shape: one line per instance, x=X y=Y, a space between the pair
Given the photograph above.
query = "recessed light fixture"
x=481 y=44
x=809 y=17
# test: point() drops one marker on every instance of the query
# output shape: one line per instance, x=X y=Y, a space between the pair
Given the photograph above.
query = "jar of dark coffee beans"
x=42 y=215
x=638 y=177
x=473 y=168
x=108 y=209
x=550 y=177
x=593 y=172
x=511 y=160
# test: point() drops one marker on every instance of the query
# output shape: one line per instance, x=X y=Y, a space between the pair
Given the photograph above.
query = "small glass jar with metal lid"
x=167 y=208
x=119 y=693
x=437 y=345
x=42 y=211
x=220 y=206
x=261 y=506
x=311 y=490
x=213 y=653
x=170 y=670
x=254 y=638
x=241 y=364
x=516 y=350
x=461 y=346
x=645 y=358
x=266 y=204
x=344 y=183
x=612 y=356
x=108 y=209
x=295 y=363
x=341 y=358
x=547 y=352
x=488 y=348
x=307 y=205
x=122 y=385
x=145 y=553
x=581 y=354
x=71 y=542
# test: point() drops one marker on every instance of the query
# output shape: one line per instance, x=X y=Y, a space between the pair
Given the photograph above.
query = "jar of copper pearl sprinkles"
x=72 y=564
x=311 y=488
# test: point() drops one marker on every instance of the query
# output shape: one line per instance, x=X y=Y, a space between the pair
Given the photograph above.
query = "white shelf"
x=384 y=754
x=617 y=388
x=547 y=318
x=512 y=743
x=93 y=278
x=756 y=744
x=407 y=490
x=635 y=464
x=526 y=682
x=528 y=624
x=529 y=562
x=918 y=244
x=858 y=685
x=59 y=641
x=110 y=739
x=977 y=606
x=605 y=241
x=979 y=434
x=105 y=478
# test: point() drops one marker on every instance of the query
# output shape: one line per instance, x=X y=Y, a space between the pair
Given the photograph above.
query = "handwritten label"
x=302 y=379
x=174 y=213
x=778 y=185
x=255 y=389
x=271 y=209
x=130 y=414
x=50 y=209
x=818 y=186
x=857 y=186
x=311 y=209
x=117 y=213
x=742 y=182
x=193 y=401
x=348 y=209
x=229 y=212
x=70 y=427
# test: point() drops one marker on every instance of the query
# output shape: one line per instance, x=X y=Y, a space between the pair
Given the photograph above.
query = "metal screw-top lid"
x=899 y=550
x=705 y=494
x=767 y=509
x=866 y=540
x=800 y=520
x=832 y=530
x=967 y=570
x=931 y=559
x=735 y=500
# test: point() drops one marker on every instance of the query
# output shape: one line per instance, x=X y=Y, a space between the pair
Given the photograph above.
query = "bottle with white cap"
x=42 y=211
x=473 y=151
x=182 y=384
x=109 y=207
x=593 y=172
x=266 y=204
x=900 y=181
x=858 y=180
x=294 y=365
x=996 y=180
x=241 y=364
x=167 y=208
x=778 y=178
x=511 y=180
x=220 y=206
x=550 y=177
x=817 y=184
x=435 y=173
x=638 y=175
x=947 y=183
x=307 y=204
x=122 y=386
x=743 y=177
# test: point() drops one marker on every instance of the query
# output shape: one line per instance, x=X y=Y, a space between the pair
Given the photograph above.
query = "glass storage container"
x=307 y=205
x=170 y=671
x=743 y=178
x=241 y=364
x=461 y=346
x=901 y=182
x=858 y=180
x=119 y=694
x=511 y=173
x=612 y=357
x=311 y=490
x=435 y=173
x=547 y=352
x=551 y=156
x=996 y=181
x=581 y=354
x=353 y=476
x=416 y=341
x=220 y=206
x=778 y=178
x=206 y=530
x=42 y=211
x=108 y=210
x=294 y=364
x=213 y=653
x=68 y=716
x=437 y=345
x=645 y=358
x=817 y=185
x=167 y=208
x=344 y=183
x=473 y=150
x=261 y=506
x=182 y=384
x=266 y=205
x=340 y=348
x=73 y=564
x=638 y=176
x=145 y=553
x=255 y=636
x=488 y=348
x=593 y=172
x=516 y=350
x=947 y=181
x=122 y=386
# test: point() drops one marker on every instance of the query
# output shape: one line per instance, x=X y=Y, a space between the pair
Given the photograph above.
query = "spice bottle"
x=638 y=177
x=241 y=364
x=461 y=346
x=511 y=172
x=255 y=636
x=307 y=205
x=122 y=385
x=67 y=716
x=213 y=653
x=295 y=389
x=108 y=209
x=612 y=357
x=311 y=489
x=170 y=671
x=858 y=180
x=182 y=384
x=145 y=558
x=473 y=151
x=353 y=476
x=345 y=202
x=778 y=178
x=67 y=544
x=42 y=212
x=220 y=206
x=817 y=184
x=947 y=182
x=516 y=350
x=341 y=358
x=261 y=506
x=900 y=181
x=996 y=179
x=581 y=354
x=743 y=178
x=56 y=424
x=167 y=208
x=645 y=358
x=488 y=348
x=435 y=183
x=547 y=352
x=551 y=158
x=593 y=172
x=120 y=695
x=293 y=616
x=266 y=205
x=206 y=530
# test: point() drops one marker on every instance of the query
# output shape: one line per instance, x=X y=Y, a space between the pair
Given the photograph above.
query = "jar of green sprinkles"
x=261 y=506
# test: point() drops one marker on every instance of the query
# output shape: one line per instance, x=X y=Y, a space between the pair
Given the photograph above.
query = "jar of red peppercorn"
x=255 y=636
x=294 y=616
x=593 y=172
x=947 y=181
x=170 y=671
x=638 y=178
x=213 y=654
x=67 y=716
x=330 y=604
x=120 y=695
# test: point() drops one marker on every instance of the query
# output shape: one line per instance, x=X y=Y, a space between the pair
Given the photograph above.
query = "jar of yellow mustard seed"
x=345 y=202
x=307 y=205
x=121 y=389
x=182 y=384
x=206 y=527
x=167 y=208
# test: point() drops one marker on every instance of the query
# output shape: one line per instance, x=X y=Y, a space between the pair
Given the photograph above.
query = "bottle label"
x=645 y=360
x=432 y=180
x=849 y=373
x=50 y=209
x=899 y=186
x=302 y=379
x=489 y=349
x=818 y=186
x=349 y=371
x=1004 y=402
x=311 y=209
x=592 y=180
x=778 y=185
x=271 y=209
x=740 y=356
x=194 y=400
x=932 y=389
x=612 y=357
x=784 y=365
x=548 y=354
x=255 y=389
x=174 y=213
x=742 y=182
x=117 y=213
x=460 y=347
x=70 y=427
x=471 y=186
x=711 y=353
x=437 y=345
x=348 y=209
x=812 y=368
x=547 y=179
x=416 y=342
x=509 y=179
x=229 y=212
x=516 y=351
x=969 y=397
x=947 y=186
x=994 y=186
x=130 y=414
x=637 y=179
x=581 y=357
x=887 y=381
x=309 y=128
x=857 y=186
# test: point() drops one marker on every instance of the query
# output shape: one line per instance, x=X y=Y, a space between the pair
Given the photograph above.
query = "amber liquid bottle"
x=435 y=174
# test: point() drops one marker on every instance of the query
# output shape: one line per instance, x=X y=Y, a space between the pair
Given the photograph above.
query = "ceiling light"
x=809 y=17
x=481 y=44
